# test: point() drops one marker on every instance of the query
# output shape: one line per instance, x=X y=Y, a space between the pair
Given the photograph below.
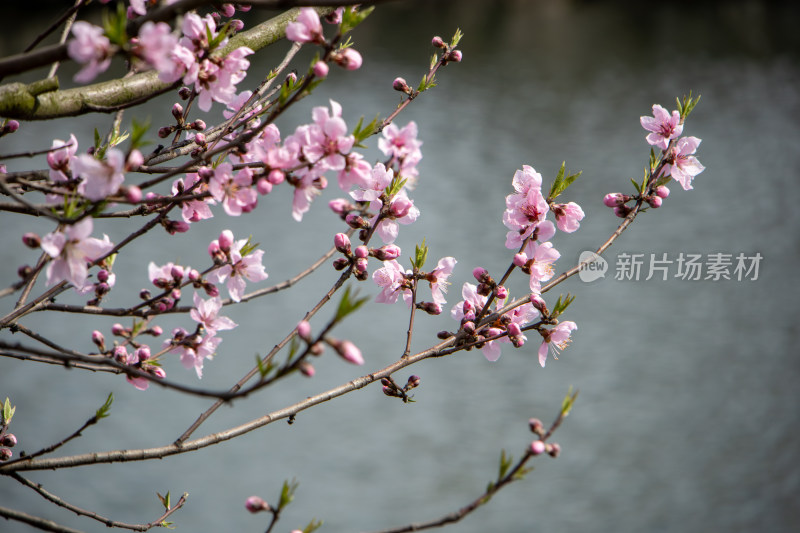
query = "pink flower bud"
x=143 y=352
x=399 y=84
x=177 y=111
x=176 y=272
x=362 y=252
x=198 y=125
x=341 y=263
x=165 y=131
x=349 y=59
x=538 y=303
x=400 y=207
x=361 y=265
x=185 y=93
x=501 y=292
x=236 y=24
x=437 y=42
x=413 y=382
x=553 y=450
x=213 y=248
x=355 y=221
x=227 y=10
x=200 y=139
x=468 y=327
x=386 y=253
x=211 y=290
x=307 y=369
x=432 y=308
x=304 y=330
x=194 y=275
x=622 y=211
x=11 y=126
x=662 y=191
x=121 y=354
x=654 y=201
x=480 y=274
x=317 y=348
x=455 y=56
x=537 y=447
x=31 y=240
x=340 y=206
x=514 y=330
x=615 y=199
x=263 y=186
x=226 y=240
x=98 y=339
x=118 y=330
x=291 y=78
x=254 y=504
x=536 y=426
x=350 y=353
x=133 y=194
x=9 y=439
x=342 y=243
x=5 y=454
x=176 y=226
x=321 y=69
x=156 y=371
x=520 y=259
x=155 y=331
x=276 y=176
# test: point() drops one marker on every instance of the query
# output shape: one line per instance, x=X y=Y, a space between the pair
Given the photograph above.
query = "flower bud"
x=165 y=131
x=307 y=369
x=537 y=447
x=184 y=93
x=263 y=186
x=536 y=426
x=355 y=221
x=119 y=330
x=176 y=226
x=31 y=240
x=386 y=253
x=121 y=355
x=177 y=111
x=291 y=78
x=9 y=439
x=454 y=56
x=484 y=289
x=155 y=331
x=176 y=272
x=226 y=240
x=342 y=243
x=431 y=308
x=654 y=201
x=236 y=24
x=413 y=382
x=198 y=125
x=317 y=348
x=227 y=10
x=194 y=275
x=5 y=454
x=438 y=42
x=340 y=206
x=99 y=340
x=254 y=504
x=362 y=252
x=276 y=176
x=399 y=84
x=520 y=259
x=144 y=294
x=400 y=207
x=349 y=59
x=349 y=352
x=468 y=327
x=622 y=211
x=341 y=263
x=143 y=352
x=10 y=126
x=615 y=199
x=200 y=139
x=211 y=289
x=304 y=330
x=361 y=266
x=480 y=274
x=156 y=371
x=553 y=450
x=444 y=334
x=133 y=194
x=501 y=292
x=321 y=69
x=24 y=271
x=538 y=303
x=662 y=191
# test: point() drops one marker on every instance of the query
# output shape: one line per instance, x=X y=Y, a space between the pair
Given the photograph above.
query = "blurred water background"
x=688 y=409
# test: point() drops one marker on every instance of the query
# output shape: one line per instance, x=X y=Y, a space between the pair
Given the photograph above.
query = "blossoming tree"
x=198 y=51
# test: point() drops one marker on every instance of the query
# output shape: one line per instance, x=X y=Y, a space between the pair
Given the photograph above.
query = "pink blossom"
x=306 y=28
x=206 y=312
x=402 y=145
x=349 y=59
x=235 y=192
x=194 y=356
x=525 y=209
x=166 y=275
x=193 y=210
x=91 y=48
x=472 y=303
x=100 y=179
x=555 y=340
x=304 y=193
x=541 y=257
x=401 y=210
x=156 y=45
x=356 y=172
x=568 y=216
x=438 y=278
x=60 y=157
x=249 y=266
x=664 y=127
x=72 y=249
x=379 y=179
x=196 y=31
x=391 y=278
x=684 y=166
x=328 y=141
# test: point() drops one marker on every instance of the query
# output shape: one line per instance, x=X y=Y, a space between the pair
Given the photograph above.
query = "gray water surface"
x=687 y=414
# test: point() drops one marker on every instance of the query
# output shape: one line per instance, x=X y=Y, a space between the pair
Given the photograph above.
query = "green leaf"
x=312 y=526
x=248 y=247
x=264 y=369
x=456 y=38
x=522 y=472
x=351 y=17
x=505 y=464
x=287 y=493
x=561 y=183
x=105 y=408
x=164 y=500
x=568 y=402
x=636 y=186
x=348 y=304
x=361 y=133
x=420 y=256
x=8 y=412
x=114 y=25
x=561 y=304
x=394 y=187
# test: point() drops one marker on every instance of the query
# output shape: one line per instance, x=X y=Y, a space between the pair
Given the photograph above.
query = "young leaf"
x=420 y=256
x=561 y=183
x=361 y=133
x=164 y=500
x=505 y=464
x=287 y=493
x=248 y=247
x=105 y=408
x=456 y=38
x=568 y=402
x=8 y=412
x=352 y=18
x=349 y=304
